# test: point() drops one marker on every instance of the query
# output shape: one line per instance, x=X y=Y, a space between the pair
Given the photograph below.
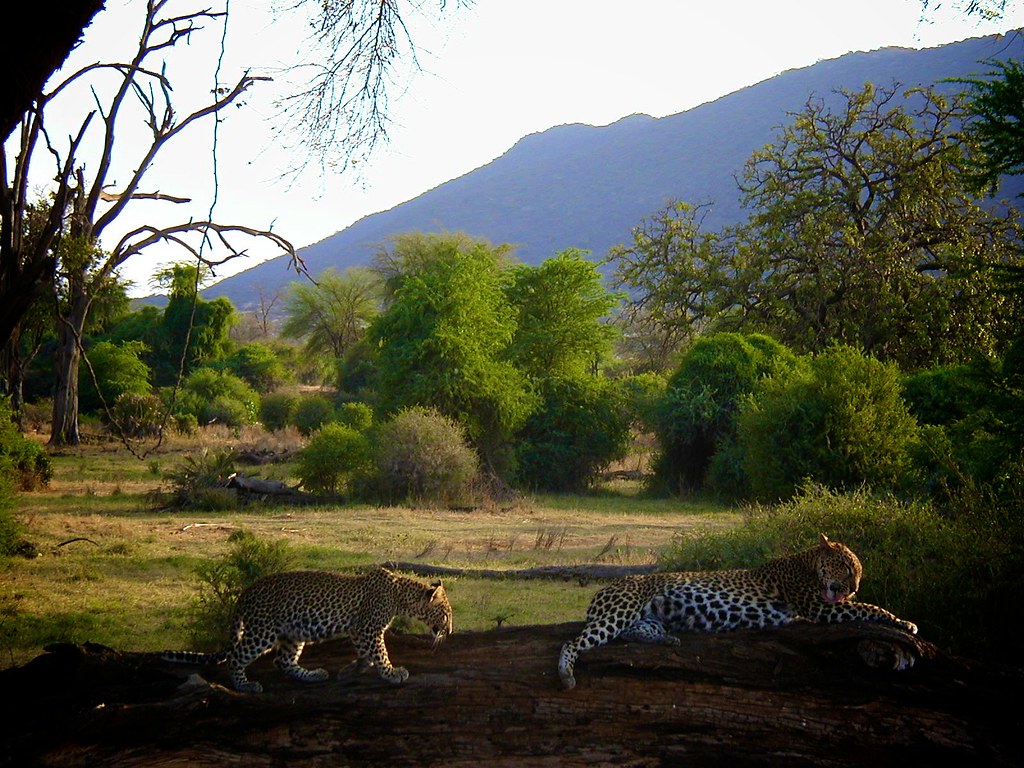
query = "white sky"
x=490 y=74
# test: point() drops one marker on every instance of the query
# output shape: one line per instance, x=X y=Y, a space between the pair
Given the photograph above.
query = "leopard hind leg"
x=288 y=652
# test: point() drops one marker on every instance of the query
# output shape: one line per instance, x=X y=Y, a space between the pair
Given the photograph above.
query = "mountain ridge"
x=583 y=186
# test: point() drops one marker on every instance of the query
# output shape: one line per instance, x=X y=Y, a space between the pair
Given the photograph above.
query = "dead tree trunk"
x=800 y=695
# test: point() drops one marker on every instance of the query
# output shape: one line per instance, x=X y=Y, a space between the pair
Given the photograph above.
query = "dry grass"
x=113 y=570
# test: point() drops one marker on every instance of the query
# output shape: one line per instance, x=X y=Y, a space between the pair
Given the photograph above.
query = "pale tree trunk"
x=64 y=426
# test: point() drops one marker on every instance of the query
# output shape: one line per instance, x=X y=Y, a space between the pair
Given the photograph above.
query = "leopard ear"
x=438 y=591
x=824 y=542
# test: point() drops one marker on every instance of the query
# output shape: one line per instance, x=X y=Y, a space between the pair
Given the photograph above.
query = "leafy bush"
x=137 y=415
x=222 y=581
x=359 y=416
x=840 y=421
x=119 y=370
x=582 y=426
x=420 y=455
x=644 y=393
x=25 y=462
x=9 y=531
x=200 y=481
x=276 y=410
x=312 y=412
x=334 y=454
x=698 y=414
x=215 y=396
x=955 y=578
x=258 y=365
x=941 y=395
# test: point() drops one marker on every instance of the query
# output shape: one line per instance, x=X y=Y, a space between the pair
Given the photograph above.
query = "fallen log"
x=583 y=573
x=803 y=694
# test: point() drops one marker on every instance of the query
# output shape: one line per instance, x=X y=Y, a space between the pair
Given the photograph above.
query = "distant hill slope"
x=586 y=187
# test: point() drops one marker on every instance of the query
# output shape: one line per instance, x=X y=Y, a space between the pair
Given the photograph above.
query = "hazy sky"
x=490 y=74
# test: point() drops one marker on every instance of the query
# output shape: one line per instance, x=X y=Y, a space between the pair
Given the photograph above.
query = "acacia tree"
x=333 y=313
x=671 y=273
x=865 y=231
x=560 y=310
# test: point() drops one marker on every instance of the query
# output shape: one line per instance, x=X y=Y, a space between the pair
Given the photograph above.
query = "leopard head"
x=838 y=569
x=436 y=611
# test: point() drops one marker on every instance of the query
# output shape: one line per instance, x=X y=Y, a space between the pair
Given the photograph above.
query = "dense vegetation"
x=850 y=359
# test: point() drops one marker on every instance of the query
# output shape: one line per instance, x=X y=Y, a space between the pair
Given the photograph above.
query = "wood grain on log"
x=796 y=695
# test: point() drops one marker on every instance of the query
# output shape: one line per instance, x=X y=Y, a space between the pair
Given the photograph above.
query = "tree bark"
x=799 y=695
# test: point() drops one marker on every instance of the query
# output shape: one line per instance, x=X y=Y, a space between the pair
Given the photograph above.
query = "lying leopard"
x=817 y=585
x=288 y=610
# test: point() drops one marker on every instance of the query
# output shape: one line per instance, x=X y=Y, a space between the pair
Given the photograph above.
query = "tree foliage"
x=697 y=418
x=442 y=340
x=839 y=421
x=581 y=426
x=332 y=314
x=560 y=306
x=863 y=230
x=670 y=271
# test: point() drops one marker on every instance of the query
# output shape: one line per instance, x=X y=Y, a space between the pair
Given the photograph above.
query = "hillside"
x=586 y=187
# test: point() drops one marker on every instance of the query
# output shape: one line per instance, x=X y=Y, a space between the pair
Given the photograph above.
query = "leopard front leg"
x=373 y=652
x=288 y=652
x=596 y=633
x=830 y=613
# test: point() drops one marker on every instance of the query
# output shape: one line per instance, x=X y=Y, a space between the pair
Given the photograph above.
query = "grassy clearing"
x=114 y=571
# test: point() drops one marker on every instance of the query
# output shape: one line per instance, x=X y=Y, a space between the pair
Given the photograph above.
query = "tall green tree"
x=865 y=231
x=561 y=307
x=192 y=331
x=444 y=337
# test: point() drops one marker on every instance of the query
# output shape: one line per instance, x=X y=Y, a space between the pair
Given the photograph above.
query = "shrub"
x=420 y=455
x=25 y=462
x=359 y=416
x=258 y=365
x=137 y=415
x=941 y=395
x=702 y=399
x=312 y=412
x=9 y=531
x=215 y=396
x=222 y=581
x=840 y=422
x=119 y=370
x=955 y=578
x=582 y=426
x=200 y=481
x=276 y=410
x=333 y=455
x=644 y=393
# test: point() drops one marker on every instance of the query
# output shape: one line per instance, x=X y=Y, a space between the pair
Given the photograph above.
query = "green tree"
x=258 y=364
x=214 y=396
x=839 y=421
x=580 y=427
x=333 y=313
x=865 y=231
x=669 y=271
x=560 y=307
x=190 y=327
x=113 y=370
x=697 y=418
x=443 y=340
